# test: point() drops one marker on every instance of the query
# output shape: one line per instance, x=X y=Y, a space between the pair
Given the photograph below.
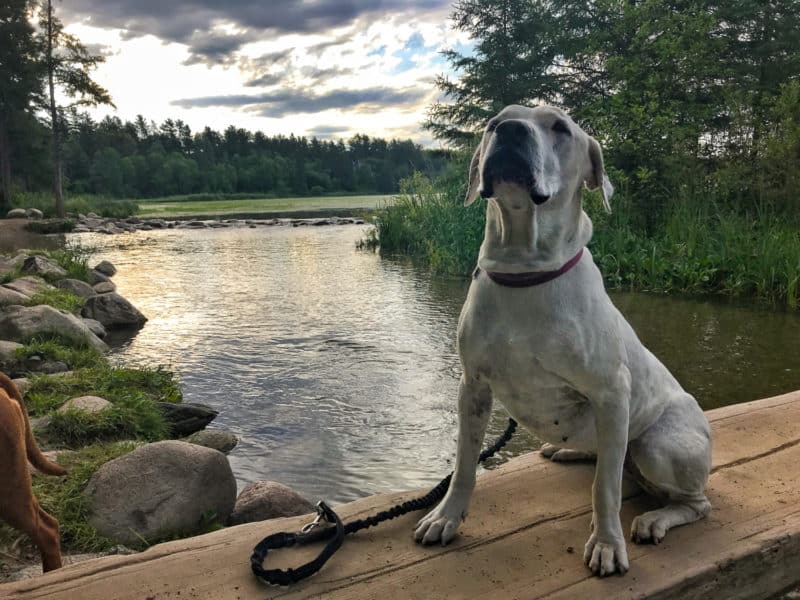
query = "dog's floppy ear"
x=598 y=177
x=474 y=177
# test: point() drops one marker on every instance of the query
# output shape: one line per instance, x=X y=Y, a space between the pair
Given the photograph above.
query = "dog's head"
x=540 y=151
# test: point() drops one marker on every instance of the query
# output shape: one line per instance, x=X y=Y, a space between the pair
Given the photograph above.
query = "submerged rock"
x=185 y=418
x=160 y=489
x=217 y=439
x=264 y=500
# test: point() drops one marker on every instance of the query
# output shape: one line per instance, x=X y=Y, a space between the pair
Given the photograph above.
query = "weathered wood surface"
x=523 y=539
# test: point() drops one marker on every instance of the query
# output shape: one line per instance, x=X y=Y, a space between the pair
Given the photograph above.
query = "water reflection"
x=338 y=370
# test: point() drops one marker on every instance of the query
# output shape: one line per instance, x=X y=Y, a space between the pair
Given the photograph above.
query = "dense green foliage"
x=700 y=249
x=57 y=298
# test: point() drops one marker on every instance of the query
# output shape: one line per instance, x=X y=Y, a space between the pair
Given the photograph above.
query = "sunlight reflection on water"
x=337 y=369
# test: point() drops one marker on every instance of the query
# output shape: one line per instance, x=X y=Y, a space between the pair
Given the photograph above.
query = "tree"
x=20 y=85
x=68 y=65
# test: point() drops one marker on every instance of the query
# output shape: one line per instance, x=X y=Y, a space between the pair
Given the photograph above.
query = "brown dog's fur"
x=18 y=506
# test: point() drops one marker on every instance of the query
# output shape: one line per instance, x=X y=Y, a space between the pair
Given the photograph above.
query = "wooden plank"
x=523 y=539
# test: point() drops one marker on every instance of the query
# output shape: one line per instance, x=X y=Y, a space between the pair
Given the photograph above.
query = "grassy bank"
x=700 y=248
x=76 y=203
x=187 y=206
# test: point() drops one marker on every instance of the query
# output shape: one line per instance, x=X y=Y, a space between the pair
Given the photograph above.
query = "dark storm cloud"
x=191 y=21
x=283 y=103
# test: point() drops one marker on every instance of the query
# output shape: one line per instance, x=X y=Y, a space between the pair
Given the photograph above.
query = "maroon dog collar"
x=519 y=280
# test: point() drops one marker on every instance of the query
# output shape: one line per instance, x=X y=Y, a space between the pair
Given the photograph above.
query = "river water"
x=337 y=368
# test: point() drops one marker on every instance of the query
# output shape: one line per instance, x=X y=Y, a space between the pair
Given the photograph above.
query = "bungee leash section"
x=336 y=530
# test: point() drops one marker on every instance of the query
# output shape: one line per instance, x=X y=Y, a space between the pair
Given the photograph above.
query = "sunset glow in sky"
x=327 y=68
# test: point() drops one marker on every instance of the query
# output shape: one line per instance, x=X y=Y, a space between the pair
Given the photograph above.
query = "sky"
x=324 y=68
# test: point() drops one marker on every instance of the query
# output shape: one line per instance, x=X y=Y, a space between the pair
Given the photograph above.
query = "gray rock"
x=158 y=490
x=8 y=356
x=77 y=287
x=29 y=285
x=23 y=384
x=92 y=215
x=10 y=297
x=41 y=265
x=264 y=500
x=51 y=367
x=96 y=277
x=18 y=323
x=105 y=287
x=96 y=327
x=16 y=213
x=89 y=404
x=105 y=267
x=185 y=418
x=217 y=439
x=113 y=311
x=34 y=213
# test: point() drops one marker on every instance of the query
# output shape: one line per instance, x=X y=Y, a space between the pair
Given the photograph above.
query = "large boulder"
x=41 y=265
x=264 y=500
x=106 y=268
x=9 y=297
x=77 y=287
x=113 y=311
x=217 y=439
x=34 y=213
x=89 y=404
x=158 y=490
x=18 y=323
x=185 y=418
x=29 y=285
x=16 y=213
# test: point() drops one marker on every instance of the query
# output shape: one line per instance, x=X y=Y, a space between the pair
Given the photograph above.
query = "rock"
x=51 y=367
x=96 y=277
x=41 y=265
x=160 y=489
x=217 y=439
x=16 y=213
x=9 y=297
x=77 y=287
x=264 y=500
x=89 y=404
x=18 y=323
x=198 y=224
x=7 y=265
x=34 y=213
x=113 y=311
x=105 y=287
x=92 y=215
x=185 y=418
x=105 y=267
x=23 y=384
x=9 y=362
x=29 y=285
x=96 y=327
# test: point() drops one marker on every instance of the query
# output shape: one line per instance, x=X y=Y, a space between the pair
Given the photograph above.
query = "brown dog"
x=18 y=506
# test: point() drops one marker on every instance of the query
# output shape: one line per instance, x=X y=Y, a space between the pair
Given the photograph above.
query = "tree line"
x=44 y=145
x=692 y=99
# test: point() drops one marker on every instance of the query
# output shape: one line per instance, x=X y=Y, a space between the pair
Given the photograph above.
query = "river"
x=337 y=368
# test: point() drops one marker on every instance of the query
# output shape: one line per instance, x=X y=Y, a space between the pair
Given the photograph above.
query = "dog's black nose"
x=512 y=130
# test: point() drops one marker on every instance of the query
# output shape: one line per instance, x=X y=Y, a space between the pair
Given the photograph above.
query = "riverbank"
x=102 y=420
x=698 y=250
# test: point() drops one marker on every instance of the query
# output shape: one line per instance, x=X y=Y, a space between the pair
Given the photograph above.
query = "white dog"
x=539 y=333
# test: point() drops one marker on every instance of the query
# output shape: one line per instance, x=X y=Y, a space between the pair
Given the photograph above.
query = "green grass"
x=77 y=355
x=700 y=248
x=76 y=203
x=184 y=207
x=57 y=298
x=74 y=259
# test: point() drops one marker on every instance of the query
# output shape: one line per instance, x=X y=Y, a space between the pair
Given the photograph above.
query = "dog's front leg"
x=605 y=552
x=474 y=408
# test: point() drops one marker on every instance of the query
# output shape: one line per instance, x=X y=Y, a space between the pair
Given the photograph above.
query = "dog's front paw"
x=607 y=556
x=439 y=525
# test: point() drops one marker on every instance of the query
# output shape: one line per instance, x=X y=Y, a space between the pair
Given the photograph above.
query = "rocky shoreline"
x=143 y=467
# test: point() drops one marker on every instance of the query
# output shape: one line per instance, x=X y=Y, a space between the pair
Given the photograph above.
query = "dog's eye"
x=561 y=127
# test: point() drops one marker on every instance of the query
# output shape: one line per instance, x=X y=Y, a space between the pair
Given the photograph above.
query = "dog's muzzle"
x=509 y=165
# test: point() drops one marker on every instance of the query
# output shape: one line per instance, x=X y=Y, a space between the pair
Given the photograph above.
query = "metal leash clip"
x=323 y=512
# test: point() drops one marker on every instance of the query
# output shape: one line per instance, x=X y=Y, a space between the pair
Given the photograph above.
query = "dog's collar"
x=519 y=280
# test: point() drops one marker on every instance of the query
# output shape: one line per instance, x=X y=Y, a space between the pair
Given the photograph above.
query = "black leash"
x=337 y=531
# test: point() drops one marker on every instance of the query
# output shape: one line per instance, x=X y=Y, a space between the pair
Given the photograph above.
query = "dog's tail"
x=35 y=456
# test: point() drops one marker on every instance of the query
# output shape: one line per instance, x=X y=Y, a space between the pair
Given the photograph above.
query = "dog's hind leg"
x=557 y=454
x=30 y=518
x=673 y=460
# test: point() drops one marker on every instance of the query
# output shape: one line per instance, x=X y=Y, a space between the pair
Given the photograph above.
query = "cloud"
x=217 y=47
x=283 y=103
x=329 y=132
